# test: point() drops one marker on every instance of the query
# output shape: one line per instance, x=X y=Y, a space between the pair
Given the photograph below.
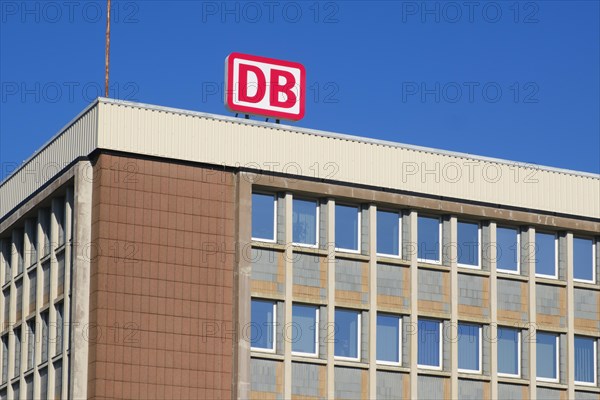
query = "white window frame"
x=555 y=276
x=426 y=260
x=441 y=348
x=479 y=245
x=316 y=353
x=557 y=361
x=508 y=271
x=399 y=255
x=274 y=240
x=391 y=363
x=311 y=246
x=593 y=281
x=274 y=349
x=519 y=356
x=341 y=249
x=479 y=362
x=359 y=338
x=595 y=383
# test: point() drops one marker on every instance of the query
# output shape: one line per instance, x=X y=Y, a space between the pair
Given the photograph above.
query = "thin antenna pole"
x=107 y=48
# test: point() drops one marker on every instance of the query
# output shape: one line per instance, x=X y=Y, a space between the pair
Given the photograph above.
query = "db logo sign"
x=264 y=86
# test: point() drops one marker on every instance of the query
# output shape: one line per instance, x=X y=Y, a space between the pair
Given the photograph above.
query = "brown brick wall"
x=163 y=244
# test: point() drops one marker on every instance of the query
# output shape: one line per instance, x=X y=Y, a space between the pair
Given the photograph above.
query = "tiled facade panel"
x=351 y=383
x=587 y=309
x=309 y=381
x=310 y=277
x=268 y=271
x=266 y=379
x=473 y=390
x=392 y=385
x=551 y=394
x=393 y=286
x=351 y=281
x=512 y=301
x=434 y=290
x=433 y=387
x=163 y=272
x=473 y=296
x=551 y=305
x=586 y=396
x=512 y=392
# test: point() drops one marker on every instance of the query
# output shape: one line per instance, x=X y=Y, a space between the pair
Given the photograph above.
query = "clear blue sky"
x=502 y=79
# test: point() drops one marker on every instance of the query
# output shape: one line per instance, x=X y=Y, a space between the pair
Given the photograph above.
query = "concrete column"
x=414 y=298
x=289 y=265
x=82 y=237
x=372 y=301
x=330 y=297
x=453 y=256
x=570 y=320
x=530 y=260
x=491 y=254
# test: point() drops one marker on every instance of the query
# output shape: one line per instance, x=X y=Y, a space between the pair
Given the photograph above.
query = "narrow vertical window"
x=509 y=352
x=19 y=302
x=18 y=249
x=17 y=333
x=59 y=328
x=33 y=244
x=46 y=230
x=389 y=348
x=60 y=260
x=388 y=233
x=305 y=222
x=545 y=255
x=347 y=228
x=507 y=249
x=469 y=347
x=58 y=379
x=59 y=214
x=6 y=255
x=4 y=358
x=44 y=383
x=46 y=276
x=347 y=334
x=6 y=294
x=31 y=343
x=32 y=290
x=547 y=356
x=469 y=244
x=45 y=336
x=584 y=260
x=430 y=344
x=263 y=217
x=29 y=386
x=263 y=325
x=586 y=356
x=305 y=320
x=429 y=239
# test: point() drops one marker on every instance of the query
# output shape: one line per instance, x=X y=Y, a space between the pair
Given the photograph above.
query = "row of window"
x=347 y=342
x=305 y=227
x=43 y=384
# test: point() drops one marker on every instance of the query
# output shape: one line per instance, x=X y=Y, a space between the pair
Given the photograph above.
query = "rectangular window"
x=45 y=336
x=31 y=343
x=263 y=319
x=347 y=228
x=19 y=302
x=305 y=222
x=584 y=260
x=430 y=344
x=6 y=307
x=33 y=244
x=586 y=356
x=469 y=347
x=429 y=236
x=389 y=339
x=59 y=328
x=60 y=261
x=264 y=216
x=16 y=390
x=547 y=356
x=7 y=256
x=545 y=255
x=305 y=319
x=469 y=244
x=4 y=358
x=44 y=383
x=507 y=249
x=46 y=230
x=19 y=246
x=29 y=386
x=32 y=290
x=388 y=233
x=17 y=333
x=347 y=334
x=58 y=379
x=59 y=214
x=509 y=352
x=46 y=276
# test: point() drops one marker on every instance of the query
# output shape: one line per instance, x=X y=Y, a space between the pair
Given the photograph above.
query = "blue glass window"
x=507 y=249
x=583 y=259
x=388 y=338
x=304 y=318
x=469 y=342
x=545 y=254
x=468 y=243
x=508 y=351
x=263 y=323
x=347 y=333
x=585 y=354
x=428 y=236
x=304 y=221
x=547 y=355
x=388 y=233
x=263 y=216
x=430 y=346
x=346 y=227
